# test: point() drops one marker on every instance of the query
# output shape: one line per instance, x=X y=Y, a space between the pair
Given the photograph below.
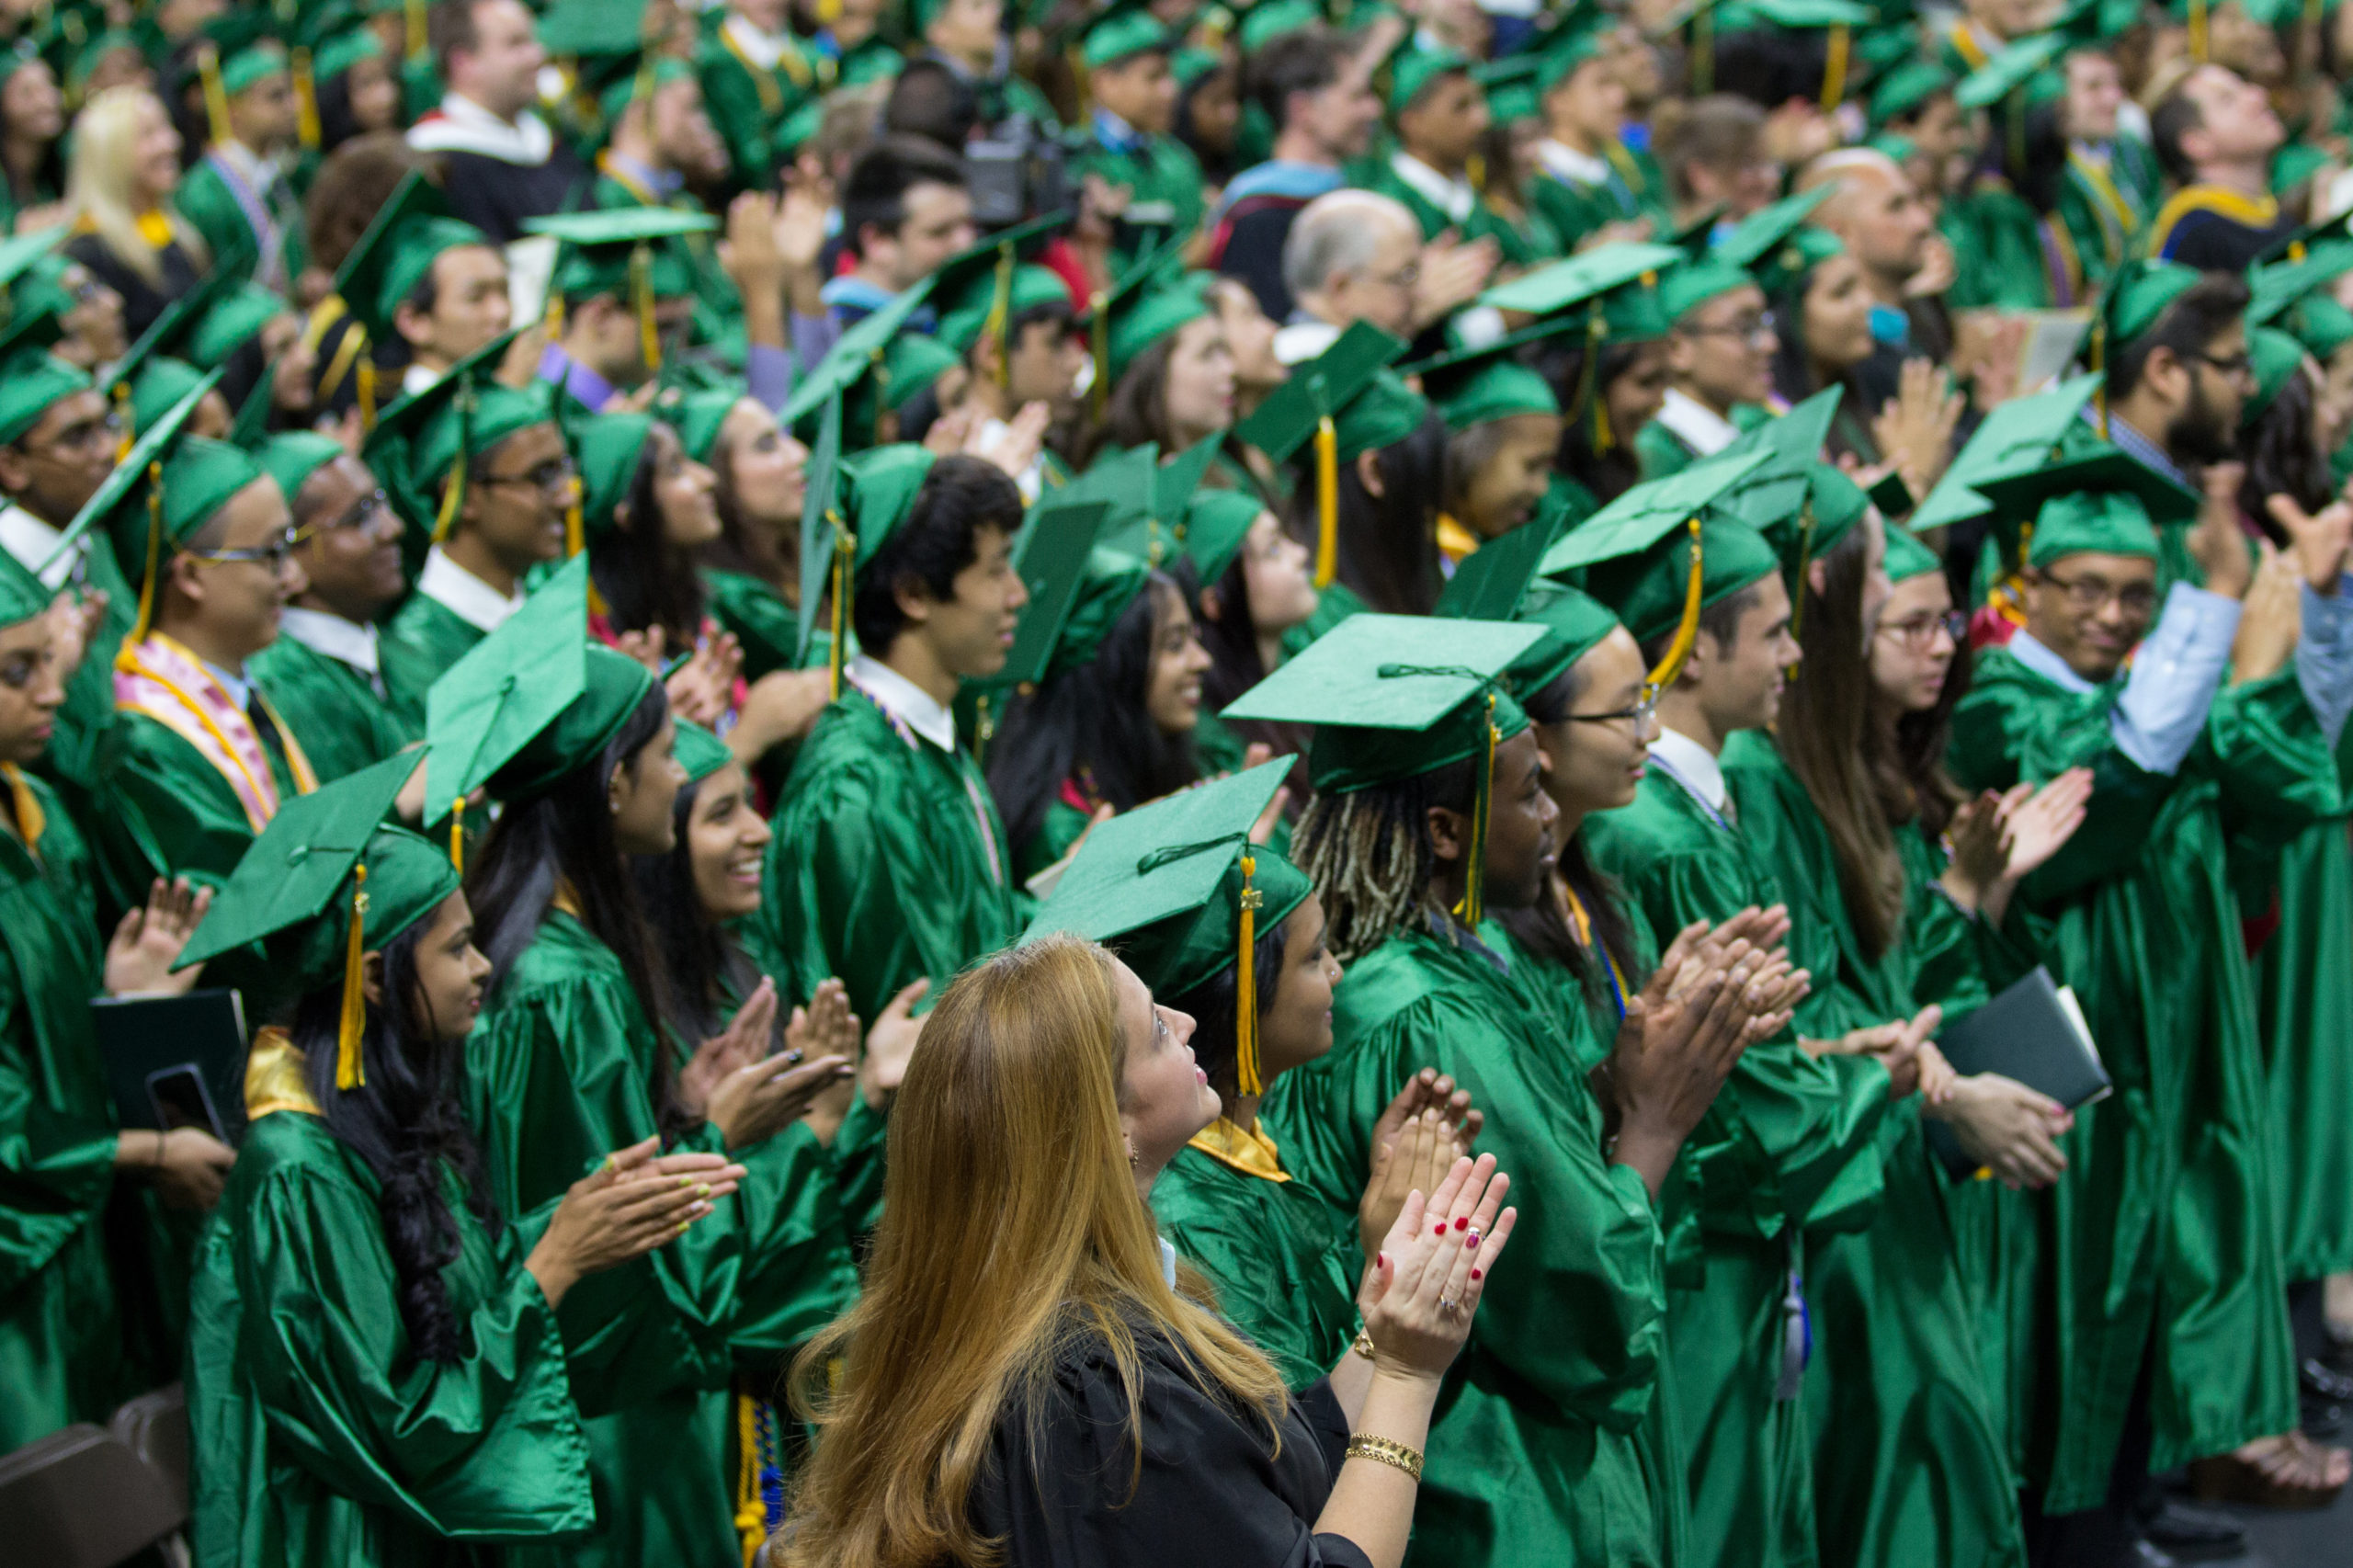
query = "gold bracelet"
x=1363 y=1345
x=1365 y=1446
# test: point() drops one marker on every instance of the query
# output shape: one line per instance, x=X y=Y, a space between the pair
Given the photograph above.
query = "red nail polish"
x=1463 y=1223
x=1475 y=1274
x=1474 y=1240
x=1382 y=1259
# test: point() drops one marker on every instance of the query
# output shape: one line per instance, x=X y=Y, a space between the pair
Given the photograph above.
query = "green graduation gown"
x=1911 y=1464
x=1483 y=223
x=1550 y=1442
x=206 y=199
x=768 y=629
x=1662 y=452
x=2161 y=1234
x=1283 y=1261
x=559 y=1073
x=319 y=1436
x=423 y=639
x=1791 y=1148
x=61 y=1335
x=343 y=722
x=749 y=103
x=1165 y=181
x=2304 y=997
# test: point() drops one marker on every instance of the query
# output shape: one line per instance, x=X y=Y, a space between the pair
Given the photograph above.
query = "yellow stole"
x=274 y=1080
x=1252 y=1153
x=2247 y=211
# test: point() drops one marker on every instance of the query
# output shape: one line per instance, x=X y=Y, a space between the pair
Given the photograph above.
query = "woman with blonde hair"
x=118 y=186
x=1046 y=1386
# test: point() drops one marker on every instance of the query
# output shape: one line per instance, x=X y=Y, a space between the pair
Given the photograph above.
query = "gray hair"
x=1336 y=233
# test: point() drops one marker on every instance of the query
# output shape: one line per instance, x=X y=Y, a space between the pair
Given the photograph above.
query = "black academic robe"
x=496 y=196
x=141 y=301
x=1067 y=1492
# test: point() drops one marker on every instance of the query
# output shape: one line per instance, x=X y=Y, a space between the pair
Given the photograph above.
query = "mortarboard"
x=2101 y=500
x=1907 y=557
x=395 y=255
x=330 y=881
x=290 y=459
x=2274 y=357
x=1120 y=31
x=699 y=752
x=432 y=437
x=1176 y=887
x=627 y=251
x=1416 y=69
x=2013 y=438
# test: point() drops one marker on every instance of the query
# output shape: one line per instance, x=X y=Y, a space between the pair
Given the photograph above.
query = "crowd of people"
x=1081 y=783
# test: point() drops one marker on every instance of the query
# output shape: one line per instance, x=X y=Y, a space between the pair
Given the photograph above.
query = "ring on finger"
x=1449 y=1305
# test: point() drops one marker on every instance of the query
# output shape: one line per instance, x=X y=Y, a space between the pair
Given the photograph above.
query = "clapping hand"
x=147 y=941
x=1421 y=1288
x=637 y=1200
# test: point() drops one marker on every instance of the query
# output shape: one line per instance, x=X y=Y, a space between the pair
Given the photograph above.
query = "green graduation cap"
x=22 y=594
x=1512 y=86
x=2275 y=286
x=169 y=326
x=699 y=416
x=1694 y=283
x=828 y=551
x=632 y=252
x=1397 y=696
x=528 y=704
x=1574 y=623
x=291 y=458
x=1803 y=505
x=1053 y=559
x=2139 y=293
x=1217 y=525
x=234 y=319
x=699 y=752
x=1585 y=278
x=2013 y=438
x=608 y=447
x=327 y=881
x=989 y=286
x=1107 y=582
x=1489 y=583
x=855 y=354
x=2100 y=501
x=430 y=439
x=2274 y=357
x=2320 y=324
x=1415 y=70
x=1907 y=557
x=1143 y=318
x=2016 y=65
x=32 y=380
x=1122 y=31
x=1758 y=237
x=397 y=253
x=1659 y=558
x=1904 y=89
x=1177 y=888
x=1150 y=501
x=1578 y=37
x=1614 y=286
x=1348 y=402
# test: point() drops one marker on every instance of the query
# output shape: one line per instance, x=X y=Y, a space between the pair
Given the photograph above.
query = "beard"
x=2202 y=434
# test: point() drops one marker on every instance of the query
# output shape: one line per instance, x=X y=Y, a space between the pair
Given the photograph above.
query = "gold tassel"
x=458 y=835
x=1805 y=553
x=845 y=556
x=1588 y=394
x=413 y=13
x=365 y=379
x=641 y=288
x=1327 y=502
x=751 y=1509
x=216 y=97
x=453 y=494
x=1833 y=68
x=1687 y=632
x=1245 y=985
x=2098 y=360
x=575 y=528
x=1000 y=322
x=31 y=820
x=348 y=1072
x=127 y=418
x=2198 y=31
x=1474 y=875
x=127 y=657
x=306 y=99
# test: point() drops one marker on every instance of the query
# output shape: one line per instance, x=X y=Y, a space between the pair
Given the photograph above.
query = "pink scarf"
x=165 y=681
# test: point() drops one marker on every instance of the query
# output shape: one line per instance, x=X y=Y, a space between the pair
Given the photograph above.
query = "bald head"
x=1876 y=209
x=1350 y=256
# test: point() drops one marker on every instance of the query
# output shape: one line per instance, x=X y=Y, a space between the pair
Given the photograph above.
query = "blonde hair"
x=1011 y=1228
x=100 y=188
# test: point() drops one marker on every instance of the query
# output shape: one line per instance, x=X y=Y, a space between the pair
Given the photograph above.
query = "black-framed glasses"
x=2238 y=367
x=551 y=476
x=1920 y=631
x=273 y=555
x=1748 y=328
x=363 y=512
x=1640 y=715
x=106 y=430
x=2086 y=595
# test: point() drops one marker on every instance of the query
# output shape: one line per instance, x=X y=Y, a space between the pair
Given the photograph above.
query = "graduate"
x=428 y=1399
x=2112 y=186
x=1282 y=1266
x=751 y=572
x=626 y=292
x=1804 y=1130
x=1503 y=426
x=1441 y=115
x=325 y=670
x=1720 y=345
x=238 y=195
x=2184 y=1053
x=570 y=1061
x=1126 y=140
x=421 y=290
x=1421 y=829
x=1589 y=179
x=1023 y=350
x=755 y=73
x=67 y=1326
x=1256 y=591
x=480 y=474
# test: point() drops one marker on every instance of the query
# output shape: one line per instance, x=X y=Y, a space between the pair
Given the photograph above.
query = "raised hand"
x=147 y=941
x=2216 y=541
x=891 y=1045
x=1451 y=274
x=1914 y=429
x=1421 y=1290
x=72 y=623
x=703 y=688
x=758 y=1100
x=2037 y=824
x=780 y=706
x=2272 y=620
x=635 y=1201
x=1416 y=1160
x=744 y=1041
x=2318 y=540
x=1670 y=1058
x=824 y=1027
x=1015 y=446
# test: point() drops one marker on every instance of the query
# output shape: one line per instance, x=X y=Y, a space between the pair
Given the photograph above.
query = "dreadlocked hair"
x=1369 y=854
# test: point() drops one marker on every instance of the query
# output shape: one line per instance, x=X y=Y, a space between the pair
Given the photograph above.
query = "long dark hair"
x=1911 y=780
x=408 y=1126
x=565 y=836
x=746 y=545
x=1215 y=1008
x=2282 y=459
x=1544 y=927
x=1388 y=543
x=1794 y=378
x=646 y=580
x=1137 y=410
x=705 y=965
x=1230 y=640
x=1607 y=474
x=1824 y=721
x=1092 y=720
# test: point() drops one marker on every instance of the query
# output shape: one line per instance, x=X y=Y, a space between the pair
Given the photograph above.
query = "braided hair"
x=1369 y=854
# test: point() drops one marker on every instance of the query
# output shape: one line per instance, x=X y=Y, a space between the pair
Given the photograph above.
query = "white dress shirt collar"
x=904 y=700
x=33 y=541
x=763 y=50
x=1452 y=197
x=465 y=594
x=464 y=126
x=1692 y=765
x=332 y=635
x=1701 y=428
x=1564 y=163
x=2038 y=656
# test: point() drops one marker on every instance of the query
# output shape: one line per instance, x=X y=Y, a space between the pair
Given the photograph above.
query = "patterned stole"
x=261 y=218
x=165 y=681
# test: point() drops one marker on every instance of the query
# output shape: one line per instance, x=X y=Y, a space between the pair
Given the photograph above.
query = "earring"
x=1134 y=1159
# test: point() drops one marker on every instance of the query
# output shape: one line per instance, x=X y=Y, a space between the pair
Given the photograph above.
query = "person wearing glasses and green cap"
x=1702 y=595
x=2207 y=725
x=1429 y=820
x=1722 y=343
x=482 y=480
x=63 y=1328
x=326 y=671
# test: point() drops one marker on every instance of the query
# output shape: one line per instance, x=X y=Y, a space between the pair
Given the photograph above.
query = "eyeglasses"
x=550 y=477
x=1404 y=277
x=1748 y=328
x=1920 y=631
x=273 y=555
x=2238 y=367
x=363 y=512
x=105 y=430
x=2086 y=595
x=1638 y=716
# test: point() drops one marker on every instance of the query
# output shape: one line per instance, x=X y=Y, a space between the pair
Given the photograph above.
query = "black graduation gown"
x=141 y=301
x=496 y=196
x=1212 y=1489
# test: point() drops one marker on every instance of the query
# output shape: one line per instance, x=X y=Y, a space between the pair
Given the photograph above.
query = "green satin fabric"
x=1791 y=1140
x=560 y=1072
x=1284 y=1262
x=2304 y=998
x=1552 y=1442
x=61 y=1334
x=768 y=629
x=1911 y=1464
x=420 y=642
x=337 y=719
x=318 y=1437
x=2163 y=1232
